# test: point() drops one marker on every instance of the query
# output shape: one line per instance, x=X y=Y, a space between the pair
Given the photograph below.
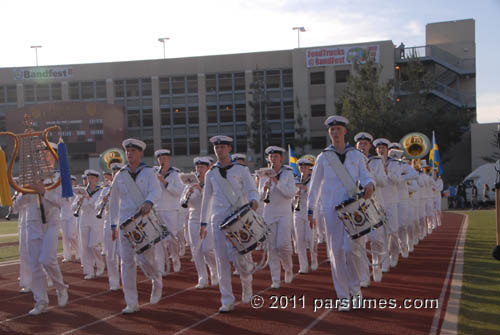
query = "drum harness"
x=352 y=189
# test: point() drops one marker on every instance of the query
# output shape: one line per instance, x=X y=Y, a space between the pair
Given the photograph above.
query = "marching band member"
x=428 y=195
x=407 y=174
x=240 y=158
x=303 y=232
x=110 y=246
x=170 y=211
x=438 y=188
x=133 y=182
x=420 y=196
x=91 y=228
x=412 y=209
x=71 y=246
x=279 y=191
x=376 y=169
x=390 y=202
x=42 y=240
x=224 y=178
x=203 y=252
x=24 y=267
x=327 y=190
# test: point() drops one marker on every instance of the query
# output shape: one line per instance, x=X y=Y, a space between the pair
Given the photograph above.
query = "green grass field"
x=480 y=303
x=8 y=227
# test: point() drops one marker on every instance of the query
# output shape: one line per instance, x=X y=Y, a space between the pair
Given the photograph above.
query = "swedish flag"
x=293 y=161
x=434 y=159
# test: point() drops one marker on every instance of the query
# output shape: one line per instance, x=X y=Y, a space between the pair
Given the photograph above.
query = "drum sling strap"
x=341 y=172
x=227 y=189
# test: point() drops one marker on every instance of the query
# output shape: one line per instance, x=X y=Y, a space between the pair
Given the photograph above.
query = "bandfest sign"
x=43 y=73
x=332 y=56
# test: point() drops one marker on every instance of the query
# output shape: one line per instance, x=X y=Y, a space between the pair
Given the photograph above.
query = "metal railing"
x=467 y=65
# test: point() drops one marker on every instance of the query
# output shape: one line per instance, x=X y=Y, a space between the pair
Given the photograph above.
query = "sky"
x=91 y=31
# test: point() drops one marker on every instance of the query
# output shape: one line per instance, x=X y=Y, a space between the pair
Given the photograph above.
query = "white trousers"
x=225 y=253
x=42 y=248
x=305 y=240
x=338 y=243
x=129 y=261
x=281 y=245
x=91 y=236
x=24 y=264
x=204 y=254
x=403 y=222
x=112 y=258
x=70 y=242
x=170 y=245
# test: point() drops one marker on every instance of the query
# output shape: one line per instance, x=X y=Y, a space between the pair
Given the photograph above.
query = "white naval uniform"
x=306 y=238
x=420 y=195
x=215 y=209
x=278 y=214
x=438 y=188
x=173 y=215
x=24 y=266
x=327 y=191
x=121 y=208
x=429 y=203
x=110 y=247
x=390 y=195
x=204 y=254
x=413 y=213
x=407 y=174
x=91 y=232
x=43 y=241
x=69 y=228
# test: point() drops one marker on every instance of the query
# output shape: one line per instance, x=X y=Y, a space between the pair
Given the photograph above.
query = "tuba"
x=110 y=156
x=415 y=145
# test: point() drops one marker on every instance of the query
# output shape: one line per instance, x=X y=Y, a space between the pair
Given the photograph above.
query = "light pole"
x=36 y=52
x=299 y=30
x=163 y=40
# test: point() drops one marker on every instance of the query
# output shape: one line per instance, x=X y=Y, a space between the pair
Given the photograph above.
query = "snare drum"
x=245 y=229
x=144 y=231
x=360 y=216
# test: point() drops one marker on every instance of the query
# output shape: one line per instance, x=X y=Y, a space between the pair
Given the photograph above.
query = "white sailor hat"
x=336 y=120
x=201 y=160
x=162 y=152
x=73 y=177
x=221 y=139
x=52 y=144
x=395 y=145
x=380 y=141
x=423 y=163
x=84 y=176
x=210 y=158
x=116 y=166
x=134 y=143
x=239 y=156
x=363 y=136
x=305 y=161
x=91 y=172
x=274 y=150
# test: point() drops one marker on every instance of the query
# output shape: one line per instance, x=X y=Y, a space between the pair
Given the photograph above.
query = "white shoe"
x=201 y=286
x=39 y=309
x=288 y=277
x=303 y=271
x=156 y=292
x=66 y=260
x=357 y=299
x=275 y=284
x=114 y=288
x=364 y=283
x=214 y=280
x=247 y=294
x=314 y=264
x=226 y=308
x=99 y=272
x=25 y=290
x=394 y=260
x=130 y=309
x=344 y=308
x=177 y=265
x=89 y=276
x=377 y=274
x=62 y=297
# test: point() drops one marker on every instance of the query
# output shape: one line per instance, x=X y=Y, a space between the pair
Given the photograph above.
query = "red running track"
x=183 y=309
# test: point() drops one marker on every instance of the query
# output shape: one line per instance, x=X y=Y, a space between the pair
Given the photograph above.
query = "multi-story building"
x=180 y=103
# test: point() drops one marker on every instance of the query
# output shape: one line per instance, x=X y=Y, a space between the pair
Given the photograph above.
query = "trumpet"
x=269 y=173
x=103 y=204
x=81 y=192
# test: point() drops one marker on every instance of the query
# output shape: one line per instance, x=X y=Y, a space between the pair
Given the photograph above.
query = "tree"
x=301 y=140
x=366 y=102
x=259 y=127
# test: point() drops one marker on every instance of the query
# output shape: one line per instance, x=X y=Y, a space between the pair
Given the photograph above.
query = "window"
x=147 y=118
x=274 y=111
x=164 y=86
x=225 y=82
x=180 y=115
x=2 y=95
x=192 y=84
x=134 y=118
x=132 y=88
x=146 y=87
x=239 y=81
x=240 y=112
x=287 y=78
x=211 y=83
x=74 y=91
x=341 y=76
x=119 y=89
x=226 y=113
x=178 y=85
x=165 y=116
x=194 y=146
x=29 y=93
x=318 y=110
x=288 y=109
x=193 y=115
x=273 y=79
x=100 y=89
x=318 y=142
x=180 y=146
x=56 y=92
x=42 y=92
x=317 y=78
x=212 y=114
x=88 y=90
x=11 y=93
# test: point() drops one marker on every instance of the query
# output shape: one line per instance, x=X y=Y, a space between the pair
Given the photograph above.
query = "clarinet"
x=104 y=202
x=186 y=200
x=76 y=213
x=297 y=196
x=268 y=193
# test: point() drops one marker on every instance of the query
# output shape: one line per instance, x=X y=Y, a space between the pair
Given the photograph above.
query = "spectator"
x=461 y=195
x=473 y=200
x=452 y=196
x=486 y=195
